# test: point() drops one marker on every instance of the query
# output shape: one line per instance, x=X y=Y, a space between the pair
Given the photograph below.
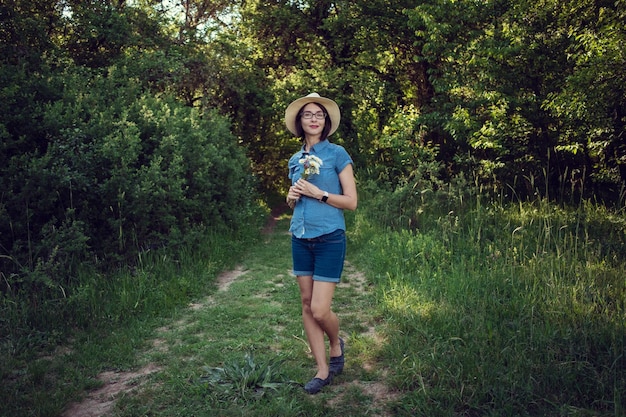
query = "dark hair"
x=328 y=124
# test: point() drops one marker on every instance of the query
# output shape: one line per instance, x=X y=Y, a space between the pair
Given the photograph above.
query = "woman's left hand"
x=303 y=187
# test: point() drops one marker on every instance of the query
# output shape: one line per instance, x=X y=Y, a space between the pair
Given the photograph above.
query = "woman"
x=318 y=226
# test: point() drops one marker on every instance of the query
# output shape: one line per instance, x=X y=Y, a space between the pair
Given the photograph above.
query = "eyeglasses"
x=309 y=115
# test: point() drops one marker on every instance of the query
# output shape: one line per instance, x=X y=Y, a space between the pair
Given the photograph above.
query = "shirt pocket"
x=294 y=173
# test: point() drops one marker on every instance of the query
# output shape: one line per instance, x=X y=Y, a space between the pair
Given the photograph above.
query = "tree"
x=501 y=72
x=359 y=53
x=591 y=105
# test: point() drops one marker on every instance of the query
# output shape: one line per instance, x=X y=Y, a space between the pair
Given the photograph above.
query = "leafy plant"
x=246 y=379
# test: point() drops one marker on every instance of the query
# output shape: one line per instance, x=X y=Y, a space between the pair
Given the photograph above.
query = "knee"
x=306 y=306
x=319 y=314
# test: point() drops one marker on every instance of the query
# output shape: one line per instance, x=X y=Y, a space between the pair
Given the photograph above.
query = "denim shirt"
x=312 y=218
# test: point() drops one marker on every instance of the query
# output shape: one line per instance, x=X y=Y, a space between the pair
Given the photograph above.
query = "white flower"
x=311 y=165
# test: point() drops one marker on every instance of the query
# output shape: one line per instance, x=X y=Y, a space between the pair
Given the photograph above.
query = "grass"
x=231 y=352
x=484 y=310
x=43 y=370
x=517 y=310
x=240 y=351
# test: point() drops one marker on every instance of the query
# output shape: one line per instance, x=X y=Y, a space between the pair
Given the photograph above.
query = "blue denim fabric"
x=312 y=218
x=321 y=257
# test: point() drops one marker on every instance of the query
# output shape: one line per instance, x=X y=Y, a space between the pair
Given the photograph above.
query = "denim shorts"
x=321 y=257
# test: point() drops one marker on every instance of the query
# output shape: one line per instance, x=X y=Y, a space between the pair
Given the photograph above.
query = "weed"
x=247 y=379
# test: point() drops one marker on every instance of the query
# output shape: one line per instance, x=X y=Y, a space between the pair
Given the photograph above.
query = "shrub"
x=111 y=171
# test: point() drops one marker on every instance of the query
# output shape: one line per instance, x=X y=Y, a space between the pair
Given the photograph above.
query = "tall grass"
x=101 y=321
x=496 y=308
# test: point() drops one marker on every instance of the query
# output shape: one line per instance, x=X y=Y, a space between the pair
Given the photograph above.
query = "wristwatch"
x=325 y=197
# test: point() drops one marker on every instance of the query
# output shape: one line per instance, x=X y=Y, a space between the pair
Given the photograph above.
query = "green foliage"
x=591 y=106
x=496 y=86
x=107 y=319
x=97 y=33
x=243 y=381
x=499 y=309
x=512 y=81
x=401 y=156
x=101 y=171
x=136 y=160
x=358 y=53
x=123 y=131
x=412 y=200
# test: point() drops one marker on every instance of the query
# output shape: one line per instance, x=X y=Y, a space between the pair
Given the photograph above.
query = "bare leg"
x=318 y=320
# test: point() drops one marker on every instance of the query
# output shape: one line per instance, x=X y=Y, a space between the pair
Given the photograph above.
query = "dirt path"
x=99 y=402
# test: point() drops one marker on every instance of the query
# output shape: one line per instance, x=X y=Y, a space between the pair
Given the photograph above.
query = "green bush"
x=104 y=172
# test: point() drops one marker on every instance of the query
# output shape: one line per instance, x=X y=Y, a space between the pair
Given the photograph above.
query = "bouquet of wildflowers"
x=311 y=165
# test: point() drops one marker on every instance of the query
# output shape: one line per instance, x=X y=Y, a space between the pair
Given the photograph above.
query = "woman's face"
x=315 y=125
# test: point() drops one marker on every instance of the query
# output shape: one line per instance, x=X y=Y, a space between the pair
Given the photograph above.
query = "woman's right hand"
x=292 y=197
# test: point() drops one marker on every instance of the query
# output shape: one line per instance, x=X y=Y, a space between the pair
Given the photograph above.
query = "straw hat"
x=331 y=107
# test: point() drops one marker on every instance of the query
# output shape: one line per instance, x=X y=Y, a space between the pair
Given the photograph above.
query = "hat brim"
x=331 y=107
